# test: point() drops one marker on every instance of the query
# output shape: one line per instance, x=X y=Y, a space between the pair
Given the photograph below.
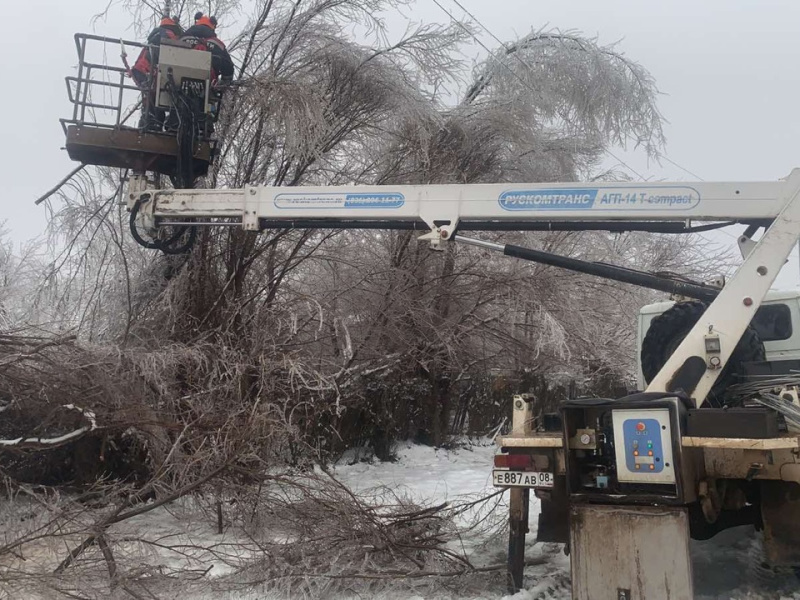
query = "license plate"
x=503 y=478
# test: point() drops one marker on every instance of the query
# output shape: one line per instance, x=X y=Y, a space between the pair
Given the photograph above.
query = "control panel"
x=643 y=445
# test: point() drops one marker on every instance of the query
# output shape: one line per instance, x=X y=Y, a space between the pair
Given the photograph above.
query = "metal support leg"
x=630 y=553
x=518 y=527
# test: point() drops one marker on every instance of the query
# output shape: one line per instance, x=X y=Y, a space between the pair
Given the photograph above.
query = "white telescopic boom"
x=442 y=208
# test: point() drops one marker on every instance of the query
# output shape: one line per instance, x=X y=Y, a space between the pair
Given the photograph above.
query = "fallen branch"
x=57 y=186
x=36 y=349
x=75 y=553
x=108 y=556
x=118 y=516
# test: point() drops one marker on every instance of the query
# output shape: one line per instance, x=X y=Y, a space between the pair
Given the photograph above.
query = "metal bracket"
x=713 y=351
x=250 y=209
x=746 y=245
x=434 y=237
x=790 y=393
x=522 y=416
x=137 y=185
x=746 y=242
x=753 y=470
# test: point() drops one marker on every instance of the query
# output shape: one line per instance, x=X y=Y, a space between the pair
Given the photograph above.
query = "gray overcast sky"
x=729 y=71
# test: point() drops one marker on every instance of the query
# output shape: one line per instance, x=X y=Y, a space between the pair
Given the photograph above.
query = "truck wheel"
x=669 y=329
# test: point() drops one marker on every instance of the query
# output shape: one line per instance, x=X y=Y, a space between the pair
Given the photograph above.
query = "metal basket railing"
x=94 y=76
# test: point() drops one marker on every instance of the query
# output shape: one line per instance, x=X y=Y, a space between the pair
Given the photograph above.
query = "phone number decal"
x=335 y=200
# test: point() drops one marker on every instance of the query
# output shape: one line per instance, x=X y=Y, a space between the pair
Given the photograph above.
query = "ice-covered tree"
x=329 y=96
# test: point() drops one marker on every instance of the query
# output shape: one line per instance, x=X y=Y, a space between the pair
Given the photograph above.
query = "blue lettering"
x=555 y=199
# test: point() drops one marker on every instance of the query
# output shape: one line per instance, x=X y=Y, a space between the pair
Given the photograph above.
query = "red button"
x=640 y=426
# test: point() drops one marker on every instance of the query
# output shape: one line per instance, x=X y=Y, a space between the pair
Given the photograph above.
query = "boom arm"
x=444 y=209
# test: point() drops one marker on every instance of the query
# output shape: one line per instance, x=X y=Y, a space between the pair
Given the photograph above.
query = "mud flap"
x=554 y=515
x=519 y=504
x=780 y=511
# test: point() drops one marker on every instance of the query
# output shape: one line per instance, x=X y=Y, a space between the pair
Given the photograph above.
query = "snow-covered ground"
x=172 y=539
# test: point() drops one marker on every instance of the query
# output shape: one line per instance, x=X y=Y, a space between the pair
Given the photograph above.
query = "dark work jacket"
x=149 y=54
x=202 y=37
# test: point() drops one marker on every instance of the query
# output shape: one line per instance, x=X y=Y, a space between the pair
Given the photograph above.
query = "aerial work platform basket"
x=106 y=128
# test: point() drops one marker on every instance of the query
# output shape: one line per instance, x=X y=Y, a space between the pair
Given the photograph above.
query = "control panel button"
x=639 y=450
x=642 y=445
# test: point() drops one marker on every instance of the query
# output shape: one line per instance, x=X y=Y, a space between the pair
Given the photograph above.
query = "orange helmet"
x=201 y=19
x=167 y=21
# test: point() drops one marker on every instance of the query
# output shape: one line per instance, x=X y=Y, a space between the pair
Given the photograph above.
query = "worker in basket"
x=202 y=36
x=153 y=118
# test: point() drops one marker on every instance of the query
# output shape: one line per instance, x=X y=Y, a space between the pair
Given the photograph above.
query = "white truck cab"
x=777 y=323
